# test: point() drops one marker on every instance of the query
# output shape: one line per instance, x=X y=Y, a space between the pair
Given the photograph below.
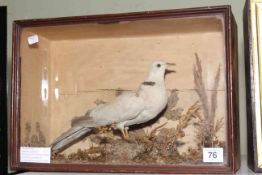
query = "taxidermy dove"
x=125 y=110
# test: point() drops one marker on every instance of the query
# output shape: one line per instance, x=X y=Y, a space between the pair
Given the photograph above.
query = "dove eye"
x=158 y=65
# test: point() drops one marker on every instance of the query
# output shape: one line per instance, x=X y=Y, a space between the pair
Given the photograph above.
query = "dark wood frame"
x=232 y=91
x=3 y=91
x=250 y=92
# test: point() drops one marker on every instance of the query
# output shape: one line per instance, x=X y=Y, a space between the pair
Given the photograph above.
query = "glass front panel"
x=102 y=93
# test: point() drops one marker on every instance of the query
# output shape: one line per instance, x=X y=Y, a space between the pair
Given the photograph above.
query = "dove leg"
x=125 y=136
x=126 y=133
x=123 y=129
x=123 y=126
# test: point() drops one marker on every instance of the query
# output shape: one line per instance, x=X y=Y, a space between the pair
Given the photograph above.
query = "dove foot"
x=125 y=133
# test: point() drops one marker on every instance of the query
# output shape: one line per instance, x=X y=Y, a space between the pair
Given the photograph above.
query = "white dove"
x=125 y=110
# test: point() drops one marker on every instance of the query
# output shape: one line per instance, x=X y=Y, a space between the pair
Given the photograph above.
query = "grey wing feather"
x=125 y=107
x=85 y=121
x=68 y=137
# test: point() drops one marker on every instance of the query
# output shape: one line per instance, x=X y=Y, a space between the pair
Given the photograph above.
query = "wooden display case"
x=84 y=66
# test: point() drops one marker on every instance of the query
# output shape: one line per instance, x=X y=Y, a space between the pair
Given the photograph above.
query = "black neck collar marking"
x=149 y=83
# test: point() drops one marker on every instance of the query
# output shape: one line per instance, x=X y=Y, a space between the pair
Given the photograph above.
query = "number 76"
x=212 y=155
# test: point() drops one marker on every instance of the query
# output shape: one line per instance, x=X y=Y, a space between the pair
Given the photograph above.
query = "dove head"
x=158 y=70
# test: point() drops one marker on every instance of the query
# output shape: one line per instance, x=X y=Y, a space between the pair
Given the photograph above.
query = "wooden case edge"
x=250 y=103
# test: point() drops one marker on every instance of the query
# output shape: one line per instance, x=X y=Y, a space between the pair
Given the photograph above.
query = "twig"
x=150 y=135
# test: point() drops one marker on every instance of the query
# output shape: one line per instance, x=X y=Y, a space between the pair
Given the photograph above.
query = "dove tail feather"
x=83 y=121
x=69 y=137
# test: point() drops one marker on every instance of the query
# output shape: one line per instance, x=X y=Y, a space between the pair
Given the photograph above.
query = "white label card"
x=215 y=155
x=32 y=39
x=35 y=154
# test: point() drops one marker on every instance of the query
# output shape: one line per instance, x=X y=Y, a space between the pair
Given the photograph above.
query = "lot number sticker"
x=213 y=155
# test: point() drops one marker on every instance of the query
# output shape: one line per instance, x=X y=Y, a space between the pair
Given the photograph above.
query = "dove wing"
x=124 y=107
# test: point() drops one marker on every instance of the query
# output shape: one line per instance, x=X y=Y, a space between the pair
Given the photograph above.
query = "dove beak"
x=168 y=70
